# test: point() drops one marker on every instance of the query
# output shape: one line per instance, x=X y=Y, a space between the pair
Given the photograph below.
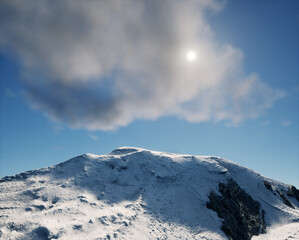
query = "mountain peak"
x=134 y=193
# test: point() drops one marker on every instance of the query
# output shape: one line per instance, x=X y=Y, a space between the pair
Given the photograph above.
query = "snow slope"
x=134 y=193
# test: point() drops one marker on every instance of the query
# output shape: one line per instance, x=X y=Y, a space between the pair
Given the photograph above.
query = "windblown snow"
x=134 y=193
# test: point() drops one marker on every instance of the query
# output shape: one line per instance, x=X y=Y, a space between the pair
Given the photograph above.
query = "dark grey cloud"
x=102 y=64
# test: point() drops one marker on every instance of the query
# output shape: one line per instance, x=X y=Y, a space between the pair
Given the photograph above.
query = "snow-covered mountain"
x=134 y=193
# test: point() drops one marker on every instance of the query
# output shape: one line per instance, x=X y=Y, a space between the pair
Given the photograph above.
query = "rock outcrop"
x=293 y=192
x=242 y=216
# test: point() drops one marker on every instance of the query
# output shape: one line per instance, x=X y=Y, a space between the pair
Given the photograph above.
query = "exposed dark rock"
x=77 y=227
x=125 y=223
x=44 y=198
x=16 y=227
x=103 y=220
x=5 y=208
x=242 y=216
x=23 y=175
x=123 y=168
x=39 y=207
x=55 y=200
x=293 y=192
x=41 y=233
x=268 y=185
x=32 y=193
x=81 y=197
x=286 y=201
x=83 y=200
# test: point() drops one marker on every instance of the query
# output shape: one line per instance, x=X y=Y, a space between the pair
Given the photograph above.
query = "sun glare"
x=191 y=56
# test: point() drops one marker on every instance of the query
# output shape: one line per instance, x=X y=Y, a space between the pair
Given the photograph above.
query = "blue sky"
x=264 y=32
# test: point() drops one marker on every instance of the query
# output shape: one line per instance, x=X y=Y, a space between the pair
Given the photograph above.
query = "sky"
x=198 y=77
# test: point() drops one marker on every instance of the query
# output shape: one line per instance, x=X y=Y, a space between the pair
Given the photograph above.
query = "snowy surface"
x=134 y=193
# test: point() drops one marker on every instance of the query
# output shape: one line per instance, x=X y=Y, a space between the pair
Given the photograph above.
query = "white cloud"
x=103 y=64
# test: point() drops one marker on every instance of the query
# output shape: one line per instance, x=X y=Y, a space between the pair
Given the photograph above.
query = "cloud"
x=103 y=64
x=10 y=93
x=93 y=136
x=57 y=127
x=266 y=123
x=286 y=123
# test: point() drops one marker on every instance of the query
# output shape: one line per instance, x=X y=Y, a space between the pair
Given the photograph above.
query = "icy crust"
x=132 y=193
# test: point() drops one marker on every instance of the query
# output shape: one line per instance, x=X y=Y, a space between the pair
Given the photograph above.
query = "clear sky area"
x=195 y=77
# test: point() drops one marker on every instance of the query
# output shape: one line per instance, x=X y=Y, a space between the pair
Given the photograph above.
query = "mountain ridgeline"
x=135 y=193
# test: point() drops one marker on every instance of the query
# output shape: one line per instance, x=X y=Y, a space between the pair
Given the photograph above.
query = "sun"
x=191 y=56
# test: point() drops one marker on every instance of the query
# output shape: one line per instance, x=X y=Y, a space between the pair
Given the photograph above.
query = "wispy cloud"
x=286 y=123
x=93 y=136
x=10 y=93
x=265 y=123
x=57 y=127
x=103 y=64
